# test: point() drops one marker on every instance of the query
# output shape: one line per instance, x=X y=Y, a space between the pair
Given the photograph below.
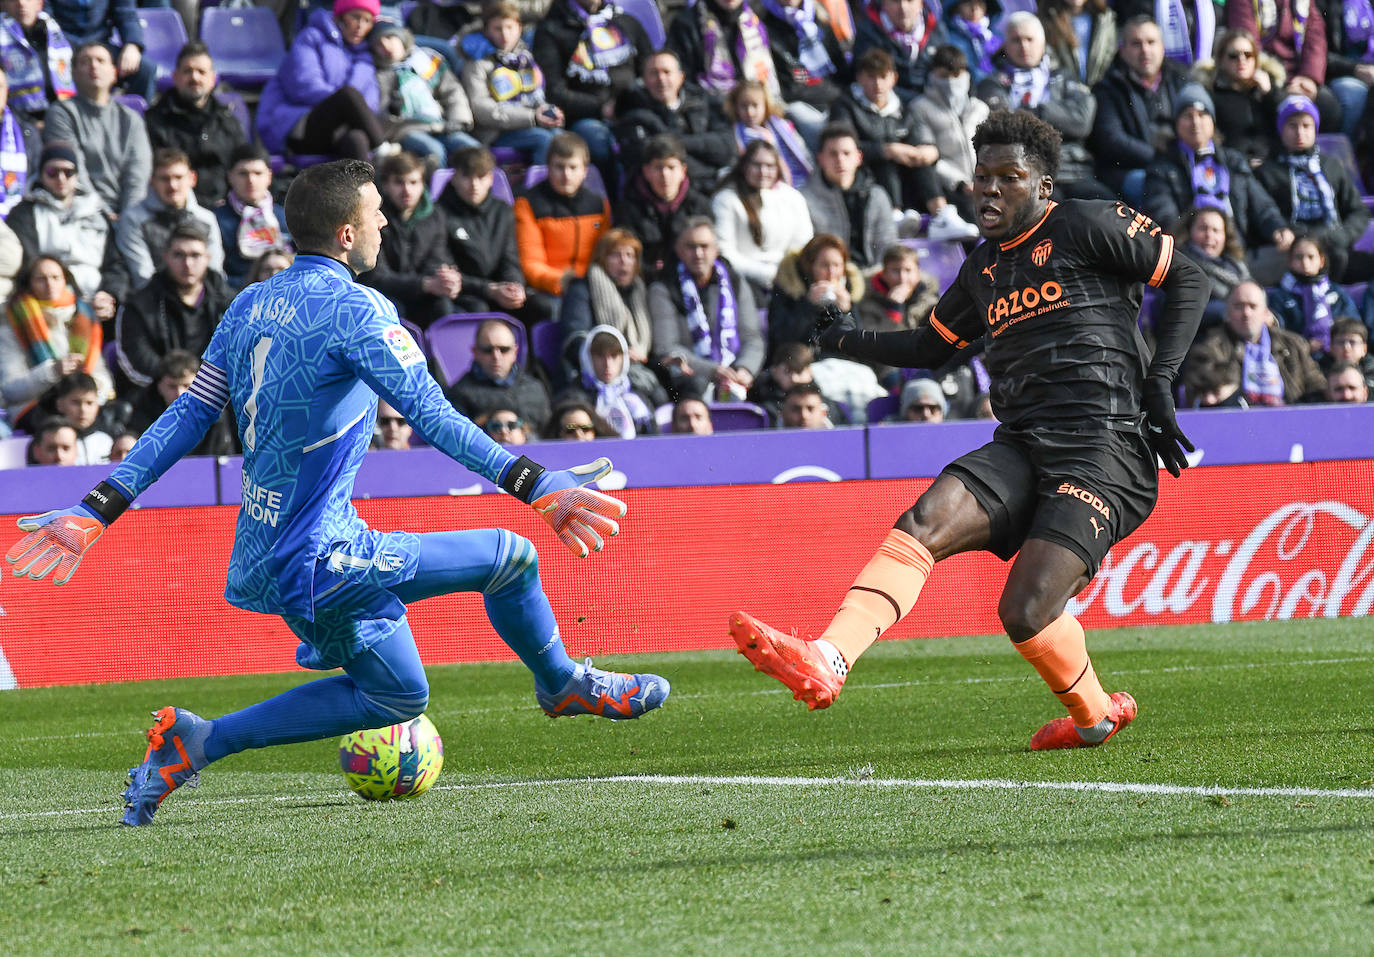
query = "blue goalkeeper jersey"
x=303 y=357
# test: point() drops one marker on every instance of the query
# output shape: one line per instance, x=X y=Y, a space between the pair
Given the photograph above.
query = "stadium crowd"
x=644 y=231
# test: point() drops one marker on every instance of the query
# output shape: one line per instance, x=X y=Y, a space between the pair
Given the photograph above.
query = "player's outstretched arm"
x=1186 y=289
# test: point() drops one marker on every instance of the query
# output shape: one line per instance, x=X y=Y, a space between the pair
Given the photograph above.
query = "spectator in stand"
x=614 y=294
x=177 y=309
x=574 y=420
x=804 y=407
x=908 y=30
x=60 y=217
x=324 y=98
x=1246 y=85
x=123 y=442
x=808 y=60
x=692 y=416
x=95 y=22
x=922 y=401
x=1266 y=364
x=251 y=223
x=392 y=431
x=1208 y=237
x=76 y=398
x=756 y=115
x=269 y=264
x=721 y=42
x=37 y=58
x=481 y=241
x=659 y=199
x=20 y=148
x=1187 y=27
x=622 y=392
x=1198 y=171
x=591 y=53
x=1314 y=191
x=664 y=103
x=846 y=202
x=791 y=366
x=111 y=139
x=189 y=117
x=1294 y=31
x=1350 y=63
x=706 y=327
x=414 y=269
x=506 y=89
x=948 y=115
x=1081 y=36
x=506 y=427
x=54 y=442
x=422 y=102
x=759 y=218
x=173 y=376
x=1350 y=343
x=1025 y=77
x=1307 y=301
x=809 y=281
x=49 y=333
x=898 y=297
x=1346 y=383
x=497 y=382
x=142 y=232
x=889 y=136
x=558 y=222
x=1135 y=109
x=968 y=28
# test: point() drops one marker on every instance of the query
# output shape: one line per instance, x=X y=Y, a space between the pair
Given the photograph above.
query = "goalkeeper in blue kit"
x=303 y=357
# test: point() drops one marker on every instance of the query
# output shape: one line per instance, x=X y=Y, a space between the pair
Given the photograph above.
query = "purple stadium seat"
x=238 y=106
x=245 y=42
x=505 y=156
x=663 y=417
x=537 y=174
x=1339 y=146
x=649 y=17
x=1356 y=291
x=547 y=345
x=500 y=186
x=415 y=331
x=450 y=339
x=133 y=101
x=439 y=180
x=940 y=258
x=883 y=406
x=164 y=34
x=12 y=451
x=737 y=416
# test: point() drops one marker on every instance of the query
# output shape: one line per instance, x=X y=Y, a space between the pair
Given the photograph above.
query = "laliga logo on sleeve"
x=402 y=346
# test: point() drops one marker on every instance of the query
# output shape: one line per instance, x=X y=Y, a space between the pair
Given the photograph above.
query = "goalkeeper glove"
x=57 y=540
x=832 y=326
x=1162 y=433
x=581 y=517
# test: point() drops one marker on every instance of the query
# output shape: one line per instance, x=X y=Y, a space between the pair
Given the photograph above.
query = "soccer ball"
x=401 y=761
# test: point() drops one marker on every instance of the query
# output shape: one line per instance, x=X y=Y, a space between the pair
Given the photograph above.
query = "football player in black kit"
x=1053 y=292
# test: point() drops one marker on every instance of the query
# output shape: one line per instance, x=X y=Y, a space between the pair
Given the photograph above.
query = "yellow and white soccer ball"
x=401 y=761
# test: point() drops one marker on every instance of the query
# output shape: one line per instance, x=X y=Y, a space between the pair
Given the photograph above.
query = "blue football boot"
x=176 y=752
x=608 y=694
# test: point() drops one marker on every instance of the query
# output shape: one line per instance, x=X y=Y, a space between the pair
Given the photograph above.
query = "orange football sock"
x=881 y=596
x=1060 y=654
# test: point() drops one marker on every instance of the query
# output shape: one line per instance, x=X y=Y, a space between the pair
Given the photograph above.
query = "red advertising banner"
x=1224 y=544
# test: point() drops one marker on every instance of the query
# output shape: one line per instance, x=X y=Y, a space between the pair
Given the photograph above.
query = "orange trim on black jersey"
x=946 y=333
x=1166 y=259
x=1027 y=234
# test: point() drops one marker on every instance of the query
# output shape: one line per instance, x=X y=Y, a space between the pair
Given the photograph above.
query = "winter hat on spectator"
x=1297 y=103
x=57 y=150
x=922 y=392
x=341 y=7
x=1193 y=97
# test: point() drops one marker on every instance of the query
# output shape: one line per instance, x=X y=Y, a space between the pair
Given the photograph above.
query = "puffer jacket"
x=77 y=235
x=791 y=316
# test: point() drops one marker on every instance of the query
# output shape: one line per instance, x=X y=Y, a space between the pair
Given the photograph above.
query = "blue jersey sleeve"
x=385 y=356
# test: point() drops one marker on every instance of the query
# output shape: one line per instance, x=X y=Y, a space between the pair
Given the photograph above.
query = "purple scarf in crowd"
x=1260 y=379
x=751 y=50
x=1359 y=27
x=721 y=344
x=1211 y=178
x=1316 y=310
x=14 y=163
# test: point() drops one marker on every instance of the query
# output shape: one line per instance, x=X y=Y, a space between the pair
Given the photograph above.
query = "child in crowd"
x=898 y=298
x=623 y=393
x=506 y=88
x=174 y=374
x=558 y=222
x=251 y=223
x=756 y=115
x=1350 y=344
x=77 y=399
x=420 y=98
x=969 y=25
x=1307 y=301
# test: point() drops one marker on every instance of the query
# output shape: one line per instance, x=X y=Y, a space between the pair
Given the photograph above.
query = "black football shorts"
x=1085 y=491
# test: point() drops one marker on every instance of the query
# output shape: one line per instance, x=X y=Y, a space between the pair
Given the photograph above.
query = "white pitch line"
x=746 y=780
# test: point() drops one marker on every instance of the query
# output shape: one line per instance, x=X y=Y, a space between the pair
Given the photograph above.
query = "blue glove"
x=58 y=539
x=581 y=517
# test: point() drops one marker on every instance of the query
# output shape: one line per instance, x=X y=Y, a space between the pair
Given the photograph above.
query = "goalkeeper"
x=303 y=357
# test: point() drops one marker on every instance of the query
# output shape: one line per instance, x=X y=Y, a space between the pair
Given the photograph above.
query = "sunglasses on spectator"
x=389 y=420
x=505 y=425
x=56 y=171
x=1240 y=54
x=577 y=428
x=488 y=350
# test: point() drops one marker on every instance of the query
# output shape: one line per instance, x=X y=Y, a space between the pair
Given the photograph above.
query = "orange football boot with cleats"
x=1061 y=733
x=796 y=662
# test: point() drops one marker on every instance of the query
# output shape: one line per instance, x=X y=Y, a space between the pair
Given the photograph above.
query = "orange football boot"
x=796 y=662
x=1061 y=733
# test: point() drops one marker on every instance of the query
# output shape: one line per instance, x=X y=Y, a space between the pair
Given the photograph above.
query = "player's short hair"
x=951 y=58
x=188 y=230
x=897 y=253
x=663 y=146
x=797 y=356
x=249 y=153
x=166 y=156
x=803 y=389
x=875 y=61
x=499 y=10
x=474 y=161
x=322 y=198
x=836 y=131
x=815 y=246
x=400 y=165
x=1022 y=128
x=193 y=49
x=74 y=382
x=1349 y=326
x=568 y=145
x=176 y=364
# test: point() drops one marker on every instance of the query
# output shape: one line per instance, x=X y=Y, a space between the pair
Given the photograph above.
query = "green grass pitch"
x=757 y=828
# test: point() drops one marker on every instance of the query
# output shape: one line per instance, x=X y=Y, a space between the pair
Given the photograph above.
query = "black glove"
x=1161 y=427
x=832 y=326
